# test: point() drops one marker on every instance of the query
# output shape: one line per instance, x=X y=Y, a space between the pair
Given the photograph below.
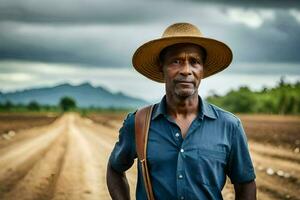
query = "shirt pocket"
x=211 y=165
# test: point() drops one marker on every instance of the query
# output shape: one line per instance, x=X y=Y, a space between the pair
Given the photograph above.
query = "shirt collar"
x=205 y=109
x=160 y=108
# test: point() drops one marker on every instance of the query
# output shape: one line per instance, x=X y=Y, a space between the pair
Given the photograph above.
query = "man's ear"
x=161 y=69
x=160 y=66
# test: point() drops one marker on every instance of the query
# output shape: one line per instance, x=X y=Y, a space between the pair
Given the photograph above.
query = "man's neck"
x=182 y=106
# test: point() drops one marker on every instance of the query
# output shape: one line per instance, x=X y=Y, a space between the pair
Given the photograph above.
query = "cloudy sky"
x=45 y=43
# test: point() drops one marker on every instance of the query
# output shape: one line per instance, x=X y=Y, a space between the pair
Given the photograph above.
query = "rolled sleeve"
x=240 y=167
x=124 y=152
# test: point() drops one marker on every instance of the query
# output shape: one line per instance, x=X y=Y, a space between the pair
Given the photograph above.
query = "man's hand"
x=245 y=191
x=117 y=184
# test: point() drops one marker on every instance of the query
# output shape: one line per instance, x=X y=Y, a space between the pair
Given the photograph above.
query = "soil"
x=67 y=159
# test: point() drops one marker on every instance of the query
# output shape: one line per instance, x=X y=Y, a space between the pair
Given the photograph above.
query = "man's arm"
x=117 y=184
x=245 y=191
x=240 y=167
x=120 y=160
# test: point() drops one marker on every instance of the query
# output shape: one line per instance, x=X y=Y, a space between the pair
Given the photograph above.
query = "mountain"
x=85 y=95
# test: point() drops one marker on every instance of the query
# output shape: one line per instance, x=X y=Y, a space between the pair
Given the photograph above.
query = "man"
x=192 y=145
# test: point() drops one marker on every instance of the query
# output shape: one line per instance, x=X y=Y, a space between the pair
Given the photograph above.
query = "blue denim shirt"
x=195 y=167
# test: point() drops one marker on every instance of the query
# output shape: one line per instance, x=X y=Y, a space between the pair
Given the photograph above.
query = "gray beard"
x=185 y=94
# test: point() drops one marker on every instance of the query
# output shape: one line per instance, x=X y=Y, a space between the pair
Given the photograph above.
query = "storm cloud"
x=119 y=11
x=106 y=33
x=254 y=3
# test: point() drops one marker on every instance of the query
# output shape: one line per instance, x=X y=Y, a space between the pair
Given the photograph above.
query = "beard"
x=185 y=90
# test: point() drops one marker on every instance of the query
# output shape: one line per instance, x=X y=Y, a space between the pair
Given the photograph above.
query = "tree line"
x=284 y=98
x=65 y=104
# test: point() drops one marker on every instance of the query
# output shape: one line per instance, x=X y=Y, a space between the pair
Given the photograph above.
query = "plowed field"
x=67 y=159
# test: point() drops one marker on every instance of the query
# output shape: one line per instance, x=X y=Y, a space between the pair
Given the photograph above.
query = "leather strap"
x=142 y=124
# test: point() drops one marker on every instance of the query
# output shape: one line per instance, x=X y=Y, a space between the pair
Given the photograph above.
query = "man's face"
x=182 y=66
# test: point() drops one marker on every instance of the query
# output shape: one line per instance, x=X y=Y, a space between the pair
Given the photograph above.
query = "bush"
x=33 y=106
x=282 y=99
x=67 y=103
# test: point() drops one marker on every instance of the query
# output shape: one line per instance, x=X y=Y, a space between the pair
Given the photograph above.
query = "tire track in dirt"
x=100 y=149
x=275 y=188
x=27 y=134
x=104 y=141
x=79 y=177
x=271 y=170
x=38 y=184
x=16 y=162
x=275 y=152
x=43 y=167
x=285 y=170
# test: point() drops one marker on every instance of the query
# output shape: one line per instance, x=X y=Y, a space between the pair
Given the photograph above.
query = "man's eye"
x=176 y=61
x=195 y=61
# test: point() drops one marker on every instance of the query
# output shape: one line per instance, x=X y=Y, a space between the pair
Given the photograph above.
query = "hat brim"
x=146 y=58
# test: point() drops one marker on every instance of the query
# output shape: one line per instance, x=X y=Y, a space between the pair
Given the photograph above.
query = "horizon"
x=209 y=93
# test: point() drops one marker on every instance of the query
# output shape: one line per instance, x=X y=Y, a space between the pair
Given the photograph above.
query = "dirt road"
x=67 y=160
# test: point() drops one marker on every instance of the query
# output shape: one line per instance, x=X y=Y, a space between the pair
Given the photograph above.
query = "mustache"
x=183 y=80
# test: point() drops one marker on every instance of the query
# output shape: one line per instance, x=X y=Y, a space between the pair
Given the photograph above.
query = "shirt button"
x=181 y=150
x=180 y=176
x=177 y=134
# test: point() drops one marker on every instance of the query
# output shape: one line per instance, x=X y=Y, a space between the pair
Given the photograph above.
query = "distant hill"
x=85 y=95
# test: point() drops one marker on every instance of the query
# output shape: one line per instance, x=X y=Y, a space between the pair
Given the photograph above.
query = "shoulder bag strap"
x=142 y=124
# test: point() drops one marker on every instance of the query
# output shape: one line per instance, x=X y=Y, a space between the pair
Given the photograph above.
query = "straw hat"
x=146 y=58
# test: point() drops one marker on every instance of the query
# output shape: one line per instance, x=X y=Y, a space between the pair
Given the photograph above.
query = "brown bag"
x=142 y=124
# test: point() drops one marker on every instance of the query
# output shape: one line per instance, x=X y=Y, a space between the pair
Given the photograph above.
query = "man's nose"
x=185 y=69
